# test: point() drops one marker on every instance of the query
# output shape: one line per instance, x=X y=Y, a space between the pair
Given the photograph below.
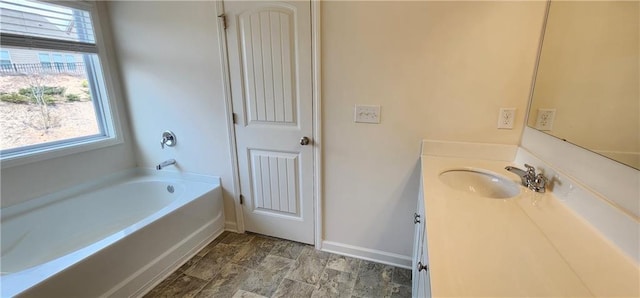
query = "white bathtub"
x=115 y=237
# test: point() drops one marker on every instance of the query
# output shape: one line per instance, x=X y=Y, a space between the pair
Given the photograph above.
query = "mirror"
x=587 y=85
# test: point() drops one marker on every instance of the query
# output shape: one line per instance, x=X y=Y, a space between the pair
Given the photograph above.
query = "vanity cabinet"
x=421 y=286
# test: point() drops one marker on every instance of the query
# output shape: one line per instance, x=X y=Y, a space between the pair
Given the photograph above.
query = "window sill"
x=59 y=150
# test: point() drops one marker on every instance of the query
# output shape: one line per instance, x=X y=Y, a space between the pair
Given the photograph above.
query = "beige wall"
x=440 y=70
x=589 y=72
x=170 y=60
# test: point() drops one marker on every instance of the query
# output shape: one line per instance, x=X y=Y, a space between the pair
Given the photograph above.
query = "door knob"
x=304 y=141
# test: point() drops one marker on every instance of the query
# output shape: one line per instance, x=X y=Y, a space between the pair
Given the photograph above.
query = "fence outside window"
x=72 y=68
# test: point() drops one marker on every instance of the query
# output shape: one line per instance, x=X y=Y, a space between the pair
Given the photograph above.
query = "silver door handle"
x=304 y=141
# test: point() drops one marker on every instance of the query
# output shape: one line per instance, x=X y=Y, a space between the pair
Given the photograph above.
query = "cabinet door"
x=423 y=283
x=418 y=240
x=423 y=289
x=421 y=286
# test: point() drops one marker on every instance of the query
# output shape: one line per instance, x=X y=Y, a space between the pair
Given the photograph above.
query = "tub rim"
x=17 y=282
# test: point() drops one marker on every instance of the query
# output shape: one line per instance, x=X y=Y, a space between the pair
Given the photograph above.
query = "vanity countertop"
x=530 y=245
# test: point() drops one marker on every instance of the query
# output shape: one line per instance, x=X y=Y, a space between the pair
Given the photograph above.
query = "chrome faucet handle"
x=541 y=181
x=530 y=169
x=168 y=138
x=538 y=183
x=529 y=178
x=531 y=174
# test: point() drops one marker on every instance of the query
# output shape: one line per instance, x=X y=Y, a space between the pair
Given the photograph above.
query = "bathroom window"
x=54 y=100
x=5 y=60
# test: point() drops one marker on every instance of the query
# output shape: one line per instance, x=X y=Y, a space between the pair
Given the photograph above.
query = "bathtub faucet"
x=166 y=163
x=168 y=138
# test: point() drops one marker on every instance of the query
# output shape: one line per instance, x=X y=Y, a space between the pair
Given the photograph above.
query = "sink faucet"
x=529 y=178
x=165 y=164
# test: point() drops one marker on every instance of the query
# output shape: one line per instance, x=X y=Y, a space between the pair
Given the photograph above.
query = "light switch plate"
x=366 y=114
x=506 y=118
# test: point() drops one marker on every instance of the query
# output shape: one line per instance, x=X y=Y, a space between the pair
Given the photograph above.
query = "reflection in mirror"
x=587 y=88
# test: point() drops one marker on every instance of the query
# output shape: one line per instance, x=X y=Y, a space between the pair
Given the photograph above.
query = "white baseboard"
x=231 y=226
x=367 y=254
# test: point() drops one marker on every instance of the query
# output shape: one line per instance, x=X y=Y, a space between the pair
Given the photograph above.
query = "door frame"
x=316 y=125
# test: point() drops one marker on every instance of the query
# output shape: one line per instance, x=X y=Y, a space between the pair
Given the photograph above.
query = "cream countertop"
x=530 y=245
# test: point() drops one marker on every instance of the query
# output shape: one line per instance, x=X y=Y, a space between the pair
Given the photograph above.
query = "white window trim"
x=109 y=106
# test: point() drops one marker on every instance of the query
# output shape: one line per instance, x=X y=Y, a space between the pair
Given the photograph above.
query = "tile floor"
x=252 y=265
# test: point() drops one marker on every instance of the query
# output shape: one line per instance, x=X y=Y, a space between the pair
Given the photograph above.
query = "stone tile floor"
x=252 y=265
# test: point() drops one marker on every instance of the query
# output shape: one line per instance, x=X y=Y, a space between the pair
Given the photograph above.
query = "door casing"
x=317 y=127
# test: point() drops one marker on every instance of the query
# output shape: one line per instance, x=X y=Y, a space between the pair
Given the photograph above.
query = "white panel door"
x=269 y=48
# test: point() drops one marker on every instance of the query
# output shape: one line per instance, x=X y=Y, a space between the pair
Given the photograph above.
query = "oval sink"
x=482 y=183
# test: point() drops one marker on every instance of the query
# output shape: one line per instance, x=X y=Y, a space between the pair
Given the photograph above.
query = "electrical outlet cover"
x=506 y=118
x=366 y=114
x=544 y=119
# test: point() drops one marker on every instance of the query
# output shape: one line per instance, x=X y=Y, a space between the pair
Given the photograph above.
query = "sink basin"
x=482 y=183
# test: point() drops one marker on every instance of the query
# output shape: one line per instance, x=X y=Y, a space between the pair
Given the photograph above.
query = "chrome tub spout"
x=165 y=164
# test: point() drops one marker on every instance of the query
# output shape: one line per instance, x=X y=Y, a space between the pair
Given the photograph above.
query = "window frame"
x=59 y=65
x=8 y=55
x=45 y=64
x=109 y=101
